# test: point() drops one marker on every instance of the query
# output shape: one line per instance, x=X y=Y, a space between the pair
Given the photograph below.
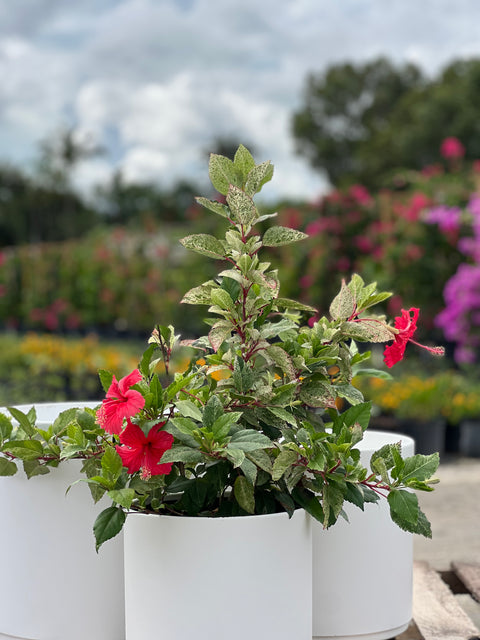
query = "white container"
x=55 y=586
x=362 y=570
x=218 y=578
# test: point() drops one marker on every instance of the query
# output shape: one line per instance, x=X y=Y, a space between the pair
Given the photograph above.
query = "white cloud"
x=157 y=82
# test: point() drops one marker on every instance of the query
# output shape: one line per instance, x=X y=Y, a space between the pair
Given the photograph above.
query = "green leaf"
x=386 y=454
x=185 y=425
x=85 y=419
x=343 y=305
x=258 y=176
x=188 y=409
x=350 y=393
x=6 y=427
x=261 y=459
x=318 y=394
x=243 y=376
x=199 y=295
x=333 y=499
x=375 y=299
x=284 y=415
x=309 y=502
x=282 y=359
x=286 y=303
x=108 y=523
x=222 y=299
x=23 y=420
x=204 y=244
x=244 y=494
x=284 y=460
x=420 y=467
x=112 y=464
x=243 y=162
x=367 y=330
x=7 y=467
x=236 y=456
x=358 y=414
x=249 y=440
x=220 y=331
x=188 y=455
x=250 y=471
x=355 y=495
x=222 y=173
x=144 y=366
x=242 y=207
x=106 y=378
x=123 y=497
x=279 y=236
x=213 y=205
x=25 y=449
x=34 y=468
x=222 y=425
x=212 y=411
x=404 y=509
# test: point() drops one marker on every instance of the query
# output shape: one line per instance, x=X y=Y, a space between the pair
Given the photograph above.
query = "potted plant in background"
x=463 y=412
x=418 y=406
x=221 y=471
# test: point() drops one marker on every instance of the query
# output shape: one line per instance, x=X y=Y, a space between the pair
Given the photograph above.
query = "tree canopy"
x=359 y=123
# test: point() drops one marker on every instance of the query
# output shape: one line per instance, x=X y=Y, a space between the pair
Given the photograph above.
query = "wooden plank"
x=436 y=612
x=469 y=574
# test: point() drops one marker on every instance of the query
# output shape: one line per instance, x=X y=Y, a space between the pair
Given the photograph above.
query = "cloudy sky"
x=156 y=81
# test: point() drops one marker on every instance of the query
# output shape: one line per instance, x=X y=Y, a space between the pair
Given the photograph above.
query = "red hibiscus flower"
x=406 y=325
x=121 y=402
x=141 y=452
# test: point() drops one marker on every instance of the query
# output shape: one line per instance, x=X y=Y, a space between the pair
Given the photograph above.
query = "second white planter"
x=362 y=570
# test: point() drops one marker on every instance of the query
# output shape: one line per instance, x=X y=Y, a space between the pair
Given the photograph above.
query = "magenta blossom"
x=121 y=402
x=452 y=148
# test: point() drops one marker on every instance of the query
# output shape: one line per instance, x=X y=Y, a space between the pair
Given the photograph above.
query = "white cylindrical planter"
x=55 y=586
x=218 y=578
x=362 y=570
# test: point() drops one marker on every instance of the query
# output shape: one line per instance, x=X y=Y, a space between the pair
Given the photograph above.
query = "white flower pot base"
x=55 y=586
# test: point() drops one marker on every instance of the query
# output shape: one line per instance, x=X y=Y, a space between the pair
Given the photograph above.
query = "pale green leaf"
x=204 y=244
x=258 y=176
x=213 y=205
x=279 y=236
x=242 y=207
x=283 y=461
x=223 y=173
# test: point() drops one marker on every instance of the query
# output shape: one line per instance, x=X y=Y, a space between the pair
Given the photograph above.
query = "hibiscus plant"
x=252 y=425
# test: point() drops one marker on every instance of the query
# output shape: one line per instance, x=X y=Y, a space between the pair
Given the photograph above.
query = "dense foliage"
x=267 y=436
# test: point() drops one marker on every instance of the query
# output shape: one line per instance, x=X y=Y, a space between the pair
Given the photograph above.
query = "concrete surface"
x=454 y=511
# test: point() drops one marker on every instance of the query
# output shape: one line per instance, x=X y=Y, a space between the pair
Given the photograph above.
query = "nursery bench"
x=437 y=612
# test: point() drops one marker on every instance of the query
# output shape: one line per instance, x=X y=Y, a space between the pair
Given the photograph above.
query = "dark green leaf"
x=108 y=523
x=244 y=494
x=7 y=467
x=105 y=379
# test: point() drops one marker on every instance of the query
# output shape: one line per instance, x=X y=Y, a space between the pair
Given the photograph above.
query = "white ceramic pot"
x=55 y=586
x=218 y=578
x=362 y=570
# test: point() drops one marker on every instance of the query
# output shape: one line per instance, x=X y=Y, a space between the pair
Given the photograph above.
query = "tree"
x=361 y=123
x=344 y=108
